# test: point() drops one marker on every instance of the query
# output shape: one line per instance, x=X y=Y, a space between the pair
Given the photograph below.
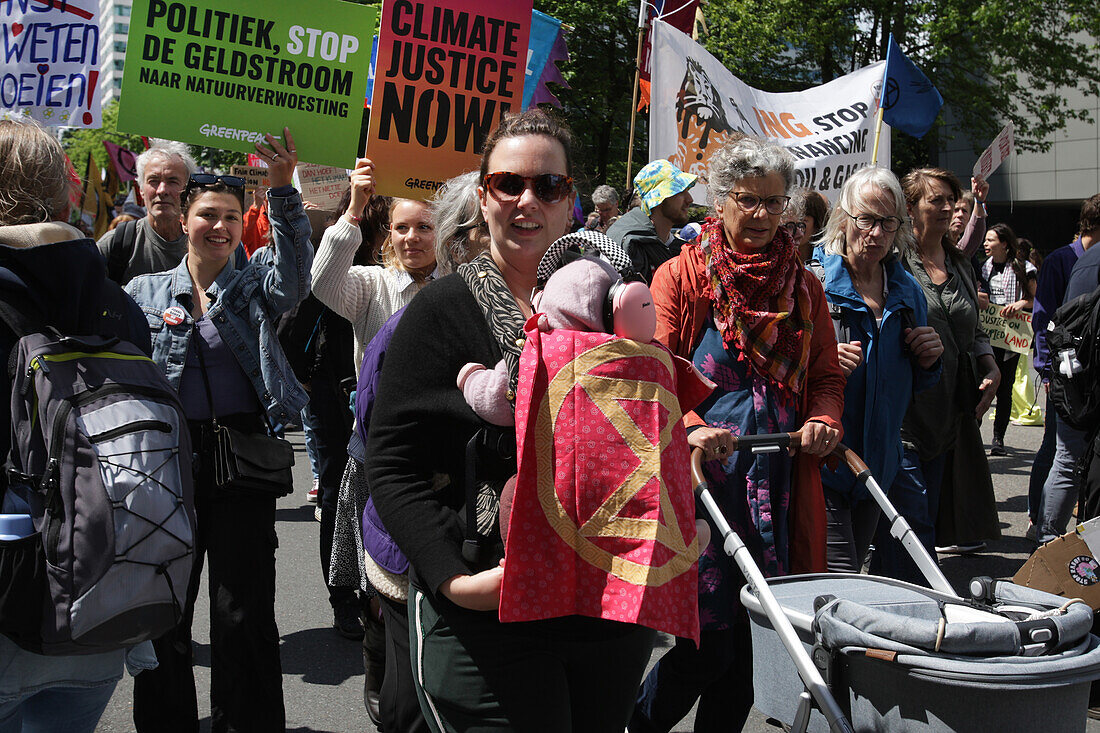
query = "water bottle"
x=15 y=526
x=1068 y=365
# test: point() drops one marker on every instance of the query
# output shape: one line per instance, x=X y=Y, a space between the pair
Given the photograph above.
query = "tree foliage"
x=602 y=44
x=993 y=61
x=78 y=142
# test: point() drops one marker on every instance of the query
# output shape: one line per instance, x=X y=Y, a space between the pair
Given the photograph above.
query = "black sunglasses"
x=209 y=179
x=506 y=187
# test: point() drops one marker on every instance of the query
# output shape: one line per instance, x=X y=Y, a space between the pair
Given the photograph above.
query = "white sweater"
x=366 y=296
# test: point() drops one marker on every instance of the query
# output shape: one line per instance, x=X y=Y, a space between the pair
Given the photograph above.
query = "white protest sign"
x=322 y=185
x=51 y=61
x=696 y=103
x=1013 y=333
x=997 y=152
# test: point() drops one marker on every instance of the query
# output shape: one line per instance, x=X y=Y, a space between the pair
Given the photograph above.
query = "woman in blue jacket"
x=213 y=329
x=888 y=353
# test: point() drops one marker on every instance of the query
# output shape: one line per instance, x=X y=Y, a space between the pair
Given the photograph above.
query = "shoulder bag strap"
x=122 y=250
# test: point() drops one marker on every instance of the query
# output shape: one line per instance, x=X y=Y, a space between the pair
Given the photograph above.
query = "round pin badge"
x=1084 y=570
x=175 y=315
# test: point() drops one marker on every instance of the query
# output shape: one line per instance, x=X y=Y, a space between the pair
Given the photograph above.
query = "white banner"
x=997 y=152
x=696 y=103
x=51 y=55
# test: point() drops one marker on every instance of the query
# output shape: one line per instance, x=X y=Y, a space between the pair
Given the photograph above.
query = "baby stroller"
x=846 y=652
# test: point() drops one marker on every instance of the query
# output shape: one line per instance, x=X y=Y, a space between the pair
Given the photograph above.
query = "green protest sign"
x=220 y=78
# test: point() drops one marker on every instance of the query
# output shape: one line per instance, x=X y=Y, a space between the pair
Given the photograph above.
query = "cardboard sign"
x=997 y=152
x=322 y=185
x=447 y=72
x=51 y=61
x=205 y=75
x=1066 y=566
x=254 y=177
x=1013 y=333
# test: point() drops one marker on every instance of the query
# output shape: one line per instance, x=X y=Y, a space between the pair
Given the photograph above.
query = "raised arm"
x=347 y=289
x=287 y=283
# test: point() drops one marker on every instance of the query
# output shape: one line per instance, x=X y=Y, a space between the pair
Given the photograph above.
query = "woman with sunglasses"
x=212 y=322
x=473 y=672
x=886 y=350
x=739 y=303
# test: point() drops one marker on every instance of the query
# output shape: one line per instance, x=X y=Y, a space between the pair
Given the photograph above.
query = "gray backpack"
x=101 y=446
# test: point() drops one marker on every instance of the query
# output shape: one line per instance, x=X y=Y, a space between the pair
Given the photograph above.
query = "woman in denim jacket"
x=213 y=332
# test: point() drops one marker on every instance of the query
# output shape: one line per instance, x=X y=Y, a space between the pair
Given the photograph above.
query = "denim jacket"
x=245 y=304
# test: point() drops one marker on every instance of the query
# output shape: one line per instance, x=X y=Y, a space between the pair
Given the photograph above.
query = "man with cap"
x=646 y=232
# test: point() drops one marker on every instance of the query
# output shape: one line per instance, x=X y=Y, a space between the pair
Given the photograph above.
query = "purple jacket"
x=1051 y=293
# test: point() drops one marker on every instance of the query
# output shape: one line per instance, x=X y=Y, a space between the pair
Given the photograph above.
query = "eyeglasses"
x=749 y=202
x=209 y=179
x=866 y=222
x=794 y=227
x=506 y=187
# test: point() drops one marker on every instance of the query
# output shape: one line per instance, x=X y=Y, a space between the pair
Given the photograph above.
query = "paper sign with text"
x=696 y=104
x=222 y=78
x=323 y=185
x=51 y=61
x=998 y=151
x=254 y=177
x=447 y=72
x=1013 y=333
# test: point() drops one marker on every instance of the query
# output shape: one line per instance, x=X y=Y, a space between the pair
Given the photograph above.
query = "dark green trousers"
x=569 y=675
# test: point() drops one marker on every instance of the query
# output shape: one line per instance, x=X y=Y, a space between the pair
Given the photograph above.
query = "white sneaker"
x=964 y=549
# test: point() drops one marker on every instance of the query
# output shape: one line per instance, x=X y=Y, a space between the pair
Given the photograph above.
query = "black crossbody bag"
x=246 y=464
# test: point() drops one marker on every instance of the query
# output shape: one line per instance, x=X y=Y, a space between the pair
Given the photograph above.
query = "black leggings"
x=1006 y=361
x=236 y=537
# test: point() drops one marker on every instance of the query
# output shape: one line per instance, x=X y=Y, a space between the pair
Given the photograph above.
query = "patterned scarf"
x=745 y=288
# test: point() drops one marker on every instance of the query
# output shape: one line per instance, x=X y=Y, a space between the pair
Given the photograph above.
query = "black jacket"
x=64 y=283
x=636 y=234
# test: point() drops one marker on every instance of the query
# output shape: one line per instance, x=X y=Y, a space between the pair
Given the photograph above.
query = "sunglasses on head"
x=209 y=179
x=549 y=188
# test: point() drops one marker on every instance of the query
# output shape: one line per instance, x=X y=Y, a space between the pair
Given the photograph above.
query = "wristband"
x=354 y=219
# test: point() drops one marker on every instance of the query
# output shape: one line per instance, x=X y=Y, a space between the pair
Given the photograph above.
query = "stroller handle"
x=732 y=545
x=779 y=441
x=899 y=527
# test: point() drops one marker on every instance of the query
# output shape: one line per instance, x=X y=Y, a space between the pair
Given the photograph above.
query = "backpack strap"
x=122 y=250
x=842 y=332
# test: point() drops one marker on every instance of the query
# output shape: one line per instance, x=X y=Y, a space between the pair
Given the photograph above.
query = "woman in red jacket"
x=739 y=304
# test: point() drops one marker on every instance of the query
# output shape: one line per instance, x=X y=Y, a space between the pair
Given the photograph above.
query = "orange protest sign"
x=447 y=72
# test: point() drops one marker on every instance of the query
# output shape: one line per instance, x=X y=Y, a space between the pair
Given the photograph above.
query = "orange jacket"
x=256 y=228
x=681 y=313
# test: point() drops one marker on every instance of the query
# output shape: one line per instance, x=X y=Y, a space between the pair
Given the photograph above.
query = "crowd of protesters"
x=859 y=323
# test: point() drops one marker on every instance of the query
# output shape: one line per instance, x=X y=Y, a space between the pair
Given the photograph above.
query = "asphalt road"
x=322 y=672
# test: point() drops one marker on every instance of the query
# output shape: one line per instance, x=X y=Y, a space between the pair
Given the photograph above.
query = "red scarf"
x=761 y=304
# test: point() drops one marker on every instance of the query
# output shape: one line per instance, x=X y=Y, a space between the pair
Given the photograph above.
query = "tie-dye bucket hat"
x=660 y=180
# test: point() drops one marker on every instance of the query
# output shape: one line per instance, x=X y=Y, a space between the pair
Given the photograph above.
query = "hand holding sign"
x=362 y=186
x=281 y=159
x=979 y=187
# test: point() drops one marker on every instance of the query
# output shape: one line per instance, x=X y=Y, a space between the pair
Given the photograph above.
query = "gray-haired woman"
x=460 y=231
x=606 y=200
x=888 y=352
x=741 y=306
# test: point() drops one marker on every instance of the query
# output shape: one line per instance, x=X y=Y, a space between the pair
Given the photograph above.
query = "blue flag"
x=544 y=34
x=909 y=101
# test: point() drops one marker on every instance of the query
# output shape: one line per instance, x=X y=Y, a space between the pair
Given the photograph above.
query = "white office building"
x=114 y=24
x=1039 y=195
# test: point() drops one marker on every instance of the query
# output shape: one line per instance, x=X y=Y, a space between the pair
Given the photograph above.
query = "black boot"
x=374 y=661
